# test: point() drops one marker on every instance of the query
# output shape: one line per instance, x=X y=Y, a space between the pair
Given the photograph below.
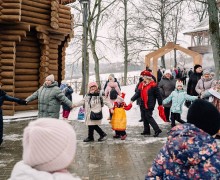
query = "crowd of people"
x=190 y=152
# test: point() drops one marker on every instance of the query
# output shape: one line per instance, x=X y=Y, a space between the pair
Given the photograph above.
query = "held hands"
x=22 y=102
x=112 y=111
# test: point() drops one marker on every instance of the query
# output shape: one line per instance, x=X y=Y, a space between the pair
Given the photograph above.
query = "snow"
x=133 y=115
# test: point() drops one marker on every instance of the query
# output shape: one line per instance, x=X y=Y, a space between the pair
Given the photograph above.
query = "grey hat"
x=206 y=71
x=112 y=75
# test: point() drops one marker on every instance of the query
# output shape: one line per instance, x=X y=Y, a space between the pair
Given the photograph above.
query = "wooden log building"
x=34 y=35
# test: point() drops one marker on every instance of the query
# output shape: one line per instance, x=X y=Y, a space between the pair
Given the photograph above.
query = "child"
x=178 y=96
x=118 y=120
x=68 y=93
x=49 y=147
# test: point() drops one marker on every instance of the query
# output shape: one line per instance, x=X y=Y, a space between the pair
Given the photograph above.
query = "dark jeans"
x=177 y=117
x=149 y=120
x=167 y=113
x=91 y=131
x=120 y=133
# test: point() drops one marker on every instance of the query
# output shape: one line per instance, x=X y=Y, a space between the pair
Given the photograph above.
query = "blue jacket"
x=189 y=153
x=178 y=97
x=5 y=97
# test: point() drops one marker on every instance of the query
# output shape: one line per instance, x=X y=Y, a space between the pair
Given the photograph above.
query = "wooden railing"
x=130 y=80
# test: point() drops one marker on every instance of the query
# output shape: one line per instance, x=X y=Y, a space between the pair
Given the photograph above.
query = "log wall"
x=34 y=35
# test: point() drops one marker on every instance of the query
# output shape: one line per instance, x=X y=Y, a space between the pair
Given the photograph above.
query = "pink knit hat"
x=93 y=84
x=49 y=144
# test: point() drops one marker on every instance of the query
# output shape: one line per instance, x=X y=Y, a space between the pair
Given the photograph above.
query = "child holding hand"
x=119 y=120
x=178 y=96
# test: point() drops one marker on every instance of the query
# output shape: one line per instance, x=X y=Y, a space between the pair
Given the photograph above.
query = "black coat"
x=136 y=89
x=5 y=97
x=68 y=93
x=194 y=78
x=153 y=95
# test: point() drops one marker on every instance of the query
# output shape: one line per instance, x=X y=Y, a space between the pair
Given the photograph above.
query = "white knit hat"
x=49 y=144
x=179 y=83
x=50 y=78
x=168 y=72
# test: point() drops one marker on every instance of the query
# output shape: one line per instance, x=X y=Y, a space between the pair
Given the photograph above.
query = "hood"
x=25 y=172
x=112 y=84
x=55 y=83
x=188 y=145
x=207 y=79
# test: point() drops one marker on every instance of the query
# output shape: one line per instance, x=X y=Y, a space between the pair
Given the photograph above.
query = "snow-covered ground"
x=133 y=115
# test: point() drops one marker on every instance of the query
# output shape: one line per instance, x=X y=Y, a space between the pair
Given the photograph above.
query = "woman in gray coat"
x=49 y=98
x=93 y=102
x=166 y=86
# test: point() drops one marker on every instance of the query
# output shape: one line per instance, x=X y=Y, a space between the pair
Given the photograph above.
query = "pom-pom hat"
x=179 y=83
x=146 y=73
x=93 y=84
x=49 y=144
x=50 y=78
x=168 y=72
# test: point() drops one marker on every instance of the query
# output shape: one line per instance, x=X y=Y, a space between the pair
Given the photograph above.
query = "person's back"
x=49 y=147
x=190 y=151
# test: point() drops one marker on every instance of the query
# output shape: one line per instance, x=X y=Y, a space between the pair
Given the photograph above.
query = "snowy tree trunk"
x=125 y=42
x=214 y=33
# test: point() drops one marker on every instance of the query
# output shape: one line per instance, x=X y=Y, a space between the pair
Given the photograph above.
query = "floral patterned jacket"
x=189 y=153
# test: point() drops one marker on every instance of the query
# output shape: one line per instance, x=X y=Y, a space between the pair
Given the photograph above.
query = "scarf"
x=144 y=88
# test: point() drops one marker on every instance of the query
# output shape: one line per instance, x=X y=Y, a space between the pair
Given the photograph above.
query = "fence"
x=130 y=80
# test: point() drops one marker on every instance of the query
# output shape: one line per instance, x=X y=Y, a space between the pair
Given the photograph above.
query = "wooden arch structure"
x=197 y=58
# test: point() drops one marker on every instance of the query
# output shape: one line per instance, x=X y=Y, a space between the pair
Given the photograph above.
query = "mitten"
x=162 y=113
x=129 y=106
x=22 y=102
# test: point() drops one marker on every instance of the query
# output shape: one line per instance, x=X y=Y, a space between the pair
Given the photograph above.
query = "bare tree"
x=214 y=33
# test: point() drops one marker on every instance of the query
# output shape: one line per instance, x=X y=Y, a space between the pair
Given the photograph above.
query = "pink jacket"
x=111 y=85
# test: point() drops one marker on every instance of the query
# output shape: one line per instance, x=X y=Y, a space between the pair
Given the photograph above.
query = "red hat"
x=123 y=95
x=146 y=73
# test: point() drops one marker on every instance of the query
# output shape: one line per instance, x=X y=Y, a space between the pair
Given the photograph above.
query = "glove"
x=161 y=113
x=22 y=102
x=129 y=106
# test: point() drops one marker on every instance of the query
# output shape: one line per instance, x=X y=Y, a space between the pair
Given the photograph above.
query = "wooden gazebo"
x=34 y=35
x=197 y=58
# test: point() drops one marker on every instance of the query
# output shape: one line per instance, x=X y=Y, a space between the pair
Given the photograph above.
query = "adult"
x=149 y=93
x=193 y=79
x=5 y=97
x=111 y=77
x=184 y=76
x=205 y=83
x=159 y=74
x=166 y=86
x=190 y=72
x=49 y=97
x=138 y=101
x=93 y=102
x=190 y=151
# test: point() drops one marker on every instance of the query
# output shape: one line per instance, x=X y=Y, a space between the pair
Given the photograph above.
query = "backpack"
x=113 y=94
